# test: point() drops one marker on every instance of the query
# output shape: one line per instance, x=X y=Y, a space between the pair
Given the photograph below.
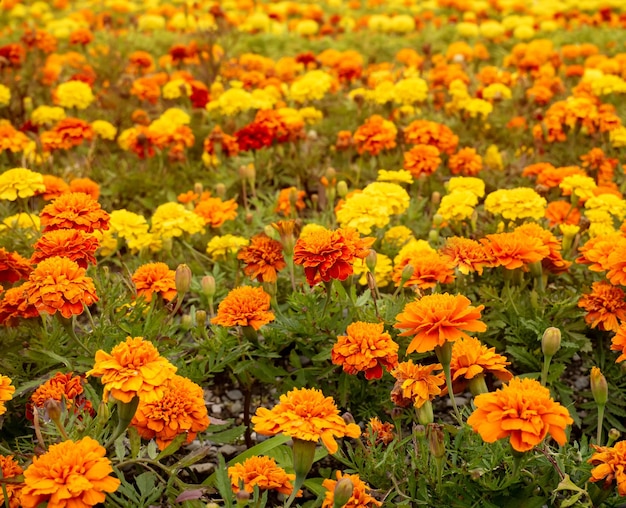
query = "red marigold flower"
x=261 y=472
x=181 y=409
x=74 y=210
x=215 y=212
x=366 y=348
x=13 y=267
x=381 y=432
x=71 y=473
x=605 y=306
x=254 y=136
x=263 y=258
x=471 y=358
x=422 y=160
x=305 y=414
x=523 y=411
x=416 y=384
x=70 y=243
x=134 y=368
x=15 y=305
x=360 y=497
x=58 y=284
x=155 y=278
x=67 y=133
x=327 y=254
x=60 y=387
x=436 y=319
x=610 y=464
x=10 y=469
x=244 y=306
x=375 y=135
x=6 y=392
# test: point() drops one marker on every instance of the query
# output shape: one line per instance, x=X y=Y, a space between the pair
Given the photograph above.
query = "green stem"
x=125 y=413
x=600 y=422
x=444 y=355
x=69 y=328
x=544 y=370
x=5 y=493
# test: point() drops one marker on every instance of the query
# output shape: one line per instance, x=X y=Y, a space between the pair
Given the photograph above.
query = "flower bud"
x=407 y=272
x=342 y=188
x=614 y=435
x=207 y=283
x=201 y=318
x=599 y=387
x=243 y=497
x=551 y=341
x=331 y=174
x=438 y=220
x=343 y=492
x=435 y=198
x=186 y=322
x=348 y=418
x=536 y=269
x=220 y=190
x=53 y=409
x=371 y=260
x=419 y=431
x=198 y=188
x=436 y=442
x=182 y=279
x=433 y=236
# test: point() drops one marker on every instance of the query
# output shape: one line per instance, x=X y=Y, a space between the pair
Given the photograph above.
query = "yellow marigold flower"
x=360 y=497
x=618 y=136
x=396 y=237
x=26 y=221
x=411 y=248
x=219 y=247
x=478 y=107
x=71 y=473
x=47 y=114
x=416 y=383
x=150 y=22
x=6 y=392
x=493 y=158
x=173 y=219
x=569 y=229
x=458 y=205
x=20 y=183
x=305 y=414
x=104 y=129
x=402 y=24
x=261 y=472
x=467 y=30
x=382 y=94
x=312 y=86
x=518 y=203
x=231 y=102
x=400 y=176
x=311 y=115
x=5 y=95
x=609 y=203
x=174 y=89
x=497 y=91
x=107 y=243
x=145 y=242
x=579 y=185
x=74 y=94
x=491 y=29
x=127 y=224
x=133 y=368
x=467 y=183
x=244 y=306
x=175 y=117
x=382 y=272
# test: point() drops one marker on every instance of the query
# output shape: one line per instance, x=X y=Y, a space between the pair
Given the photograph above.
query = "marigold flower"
x=304 y=413
x=422 y=160
x=518 y=203
x=58 y=284
x=73 y=94
x=610 y=464
x=429 y=269
x=523 y=411
x=66 y=134
x=553 y=262
x=262 y=472
x=86 y=185
x=562 y=212
x=155 y=278
x=471 y=358
x=220 y=247
x=60 y=387
x=465 y=162
x=15 y=305
x=11 y=139
x=618 y=342
x=381 y=432
x=263 y=258
x=215 y=212
x=513 y=250
x=6 y=392
x=74 y=210
x=375 y=135
x=416 y=384
x=20 y=183
x=71 y=473
x=365 y=348
x=426 y=132
x=595 y=252
x=467 y=255
x=244 y=306
x=10 y=469
x=55 y=186
x=181 y=409
x=70 y=243
x=436 y=319
x=290 y=197
x=458 y=205
x=13 y=267
x=360 y=497
x=133 y=368
x=605 y=306
x=173 y=219
x=327 y=254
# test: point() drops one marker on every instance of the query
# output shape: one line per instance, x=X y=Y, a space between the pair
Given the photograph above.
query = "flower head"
x=471 y=358
x=71 y=473
x=304 y=413
x=263 y=258
x=133 y=368
x=62 y=386
x=181 y=409
x=20 y=183
x=10 y=469
x=618 y=343
x=215 y=212
x=375 y=135
x=416 y=383
x=173 y=219
x=58 y=284
x=155 y=278
x=513 y=250
x=518 y=203
x=360 y=497
x=605 y=306
x=6 y=392
x=13 y=267
x=74 y=210
x=610 y=464
x=261 y=472
x=467 y=255
x=70 y=243
x=381 y=432
x=435 y=319
x=523 y=411
x=244 y=306
x=365 y=348
x=219 y=247
x=74 y=94
x=15 y=305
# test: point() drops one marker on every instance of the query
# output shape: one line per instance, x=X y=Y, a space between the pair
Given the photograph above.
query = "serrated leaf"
x=227 y=436
x=146 y=483
x=152 y=449
x=173 y=447
x=120 y=449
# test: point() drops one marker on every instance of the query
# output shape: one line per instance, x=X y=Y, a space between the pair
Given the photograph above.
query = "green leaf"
x=173 y=447
x=315 y=486
x=152 y=449
x=146 y=483
x=227 y=436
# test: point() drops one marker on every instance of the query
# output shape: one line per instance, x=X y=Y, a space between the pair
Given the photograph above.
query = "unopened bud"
x=249 y=218
x=53 y=409
x=551 y=341
x=182 y=278
x=599 y=387
x=201 y=318
x=433 y=236
x=348 y=418
x=419 y=431
x=436 y=442
x=331 y=174
x=207 y=283
x=186 y=322
x=198 y=188
x=343 y=492
x=220 y=190
x=435 y=198
x=243 y=497
x=342 y=188
x=438 y=220
x=371 y=260
x=407 y=273
x=614 y=435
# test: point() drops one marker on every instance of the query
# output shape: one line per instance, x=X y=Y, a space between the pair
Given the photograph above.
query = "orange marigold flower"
x=244 y=306
x=422 y=160
x=605 y=306
x=262 y=472
x=523 y=411
x=304 y=413
x=616 y=263
x=327 y=254
x=74 y=210
x=55 y=186
x=416 y=383
x=13 y=267
x=71 y=473
x=10 y=469
x=375 y=135
x=6 y=392
x=15 y=305
x=11 y=139
x=134 y=368
x=360 y=492
x=552 y=177
x=58 y=284
x=513 y=250
x=66 y=134
x=436 y=319
x=562 y=212
x=366 y=348
x=471 y=358
x=465 y=162
x=61 y=386
x=618 y=343
x=215 y=212
x=70 y=243
x=595 y=252
x=467 y=255
x=181 y=409
x=610 y=464
x=289 y=197
x=553 y=262
x=155 y=278
x=382 y=432
x=429 y=268
x=86 y=185
x=426 y=132
x=263 y=258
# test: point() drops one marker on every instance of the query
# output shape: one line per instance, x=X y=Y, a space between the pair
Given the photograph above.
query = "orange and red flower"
x=422 y=160
x=605 y=306
x=215 y=212
x=15 y=305
x=13 y=267
x=263 y=258
x=375 y=135
x=381 y=432
x=610 y=465
x=245 y=306
x=74 y=210
x=154 y=278
x=618 y=343
x=467 y=255
x=416 y=384
x=261 y=472
x=62 y=387
x=74 y=244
